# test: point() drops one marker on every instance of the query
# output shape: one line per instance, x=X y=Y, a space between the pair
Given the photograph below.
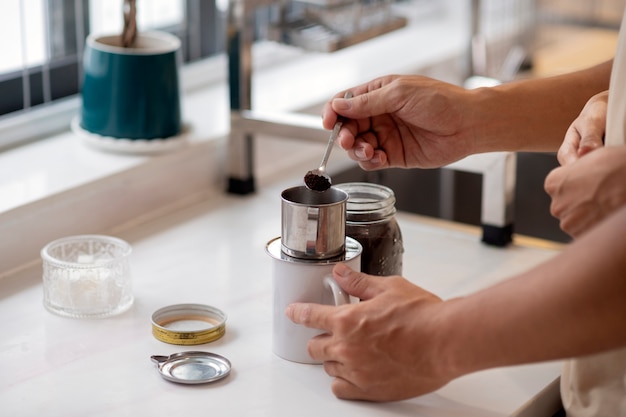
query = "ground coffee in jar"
x=370 y=219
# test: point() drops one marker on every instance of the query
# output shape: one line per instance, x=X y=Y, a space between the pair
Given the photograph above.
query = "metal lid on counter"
x=192 y=367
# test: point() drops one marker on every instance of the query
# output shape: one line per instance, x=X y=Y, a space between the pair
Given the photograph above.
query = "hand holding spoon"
x=318 y=179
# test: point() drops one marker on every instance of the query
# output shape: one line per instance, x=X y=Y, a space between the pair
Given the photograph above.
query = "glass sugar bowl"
x=371 y=220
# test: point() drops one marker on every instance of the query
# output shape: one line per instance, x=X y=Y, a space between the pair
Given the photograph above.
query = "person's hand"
x=402 y=121
x=585 y=191
x=383 y=348
x=586 y=133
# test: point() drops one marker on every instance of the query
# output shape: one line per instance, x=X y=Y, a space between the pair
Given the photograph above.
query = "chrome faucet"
x=498 y=169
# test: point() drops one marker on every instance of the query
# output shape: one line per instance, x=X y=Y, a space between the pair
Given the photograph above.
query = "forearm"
x=570 y=306
x=533 y=115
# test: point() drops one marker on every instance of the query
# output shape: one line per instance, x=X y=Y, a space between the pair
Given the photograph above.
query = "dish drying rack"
x=330 y=25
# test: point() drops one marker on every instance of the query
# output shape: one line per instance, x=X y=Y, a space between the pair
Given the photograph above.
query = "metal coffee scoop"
x=318 y=179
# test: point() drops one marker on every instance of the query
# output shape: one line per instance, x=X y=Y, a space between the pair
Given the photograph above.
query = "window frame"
x=35 y=89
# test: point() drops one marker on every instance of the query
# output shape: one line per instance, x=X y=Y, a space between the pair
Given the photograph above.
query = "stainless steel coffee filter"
x=313 y=223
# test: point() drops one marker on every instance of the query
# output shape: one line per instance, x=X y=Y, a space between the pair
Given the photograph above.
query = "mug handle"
x=339 y=296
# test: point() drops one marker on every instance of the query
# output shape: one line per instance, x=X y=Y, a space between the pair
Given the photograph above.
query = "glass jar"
x=371 y=220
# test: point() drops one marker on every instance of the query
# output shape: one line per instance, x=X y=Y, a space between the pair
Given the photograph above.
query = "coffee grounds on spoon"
x=316 y=182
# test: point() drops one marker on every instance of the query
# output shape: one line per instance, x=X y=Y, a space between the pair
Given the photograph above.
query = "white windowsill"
x=60 y=186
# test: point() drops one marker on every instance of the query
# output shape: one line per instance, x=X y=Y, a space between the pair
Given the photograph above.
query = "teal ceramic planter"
x=132 y=93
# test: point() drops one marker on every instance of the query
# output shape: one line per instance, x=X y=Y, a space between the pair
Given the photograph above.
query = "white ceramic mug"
x=309 y=281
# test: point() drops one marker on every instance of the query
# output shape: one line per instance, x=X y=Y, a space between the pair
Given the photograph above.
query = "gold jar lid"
x=188 y=324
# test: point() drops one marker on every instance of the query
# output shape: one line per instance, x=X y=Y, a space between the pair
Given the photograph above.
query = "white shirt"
x=595 y=386
x=616 y=113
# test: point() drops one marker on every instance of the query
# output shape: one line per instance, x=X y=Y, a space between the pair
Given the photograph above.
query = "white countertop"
x=213 y=253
